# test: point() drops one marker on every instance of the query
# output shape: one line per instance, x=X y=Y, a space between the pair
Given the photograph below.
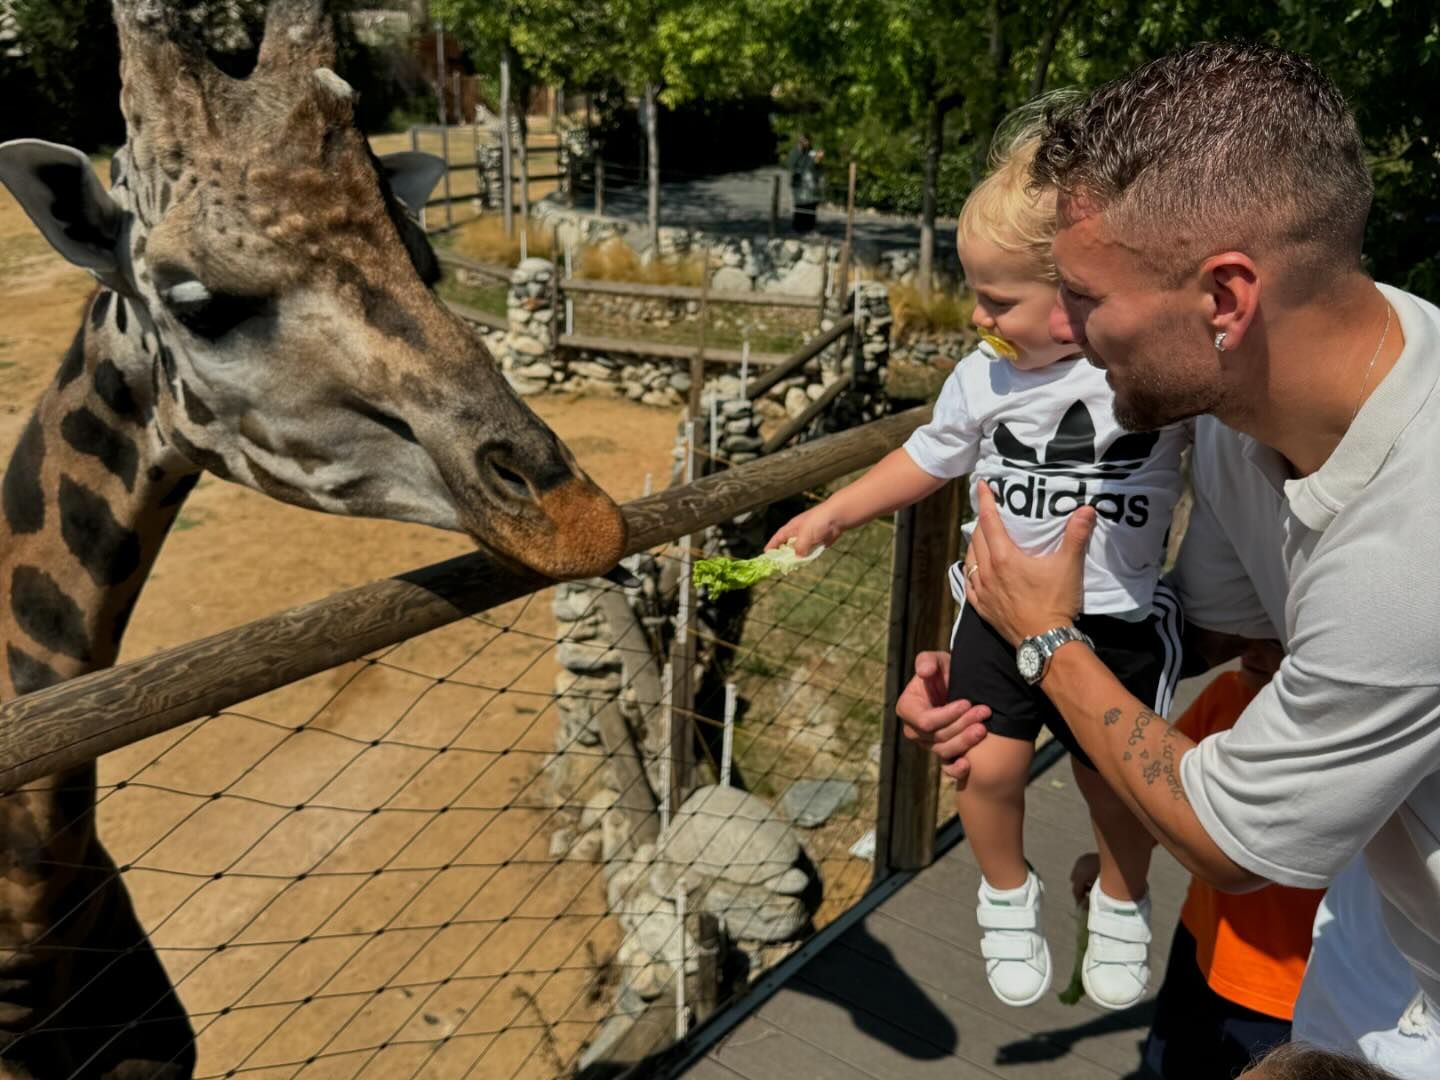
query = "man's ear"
x=56 y=186
x=412 y=177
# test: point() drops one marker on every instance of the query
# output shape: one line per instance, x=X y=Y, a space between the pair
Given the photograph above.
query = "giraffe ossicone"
x=265 y=313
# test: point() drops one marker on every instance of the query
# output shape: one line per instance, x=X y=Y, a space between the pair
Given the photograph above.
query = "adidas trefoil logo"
x=1070 y=454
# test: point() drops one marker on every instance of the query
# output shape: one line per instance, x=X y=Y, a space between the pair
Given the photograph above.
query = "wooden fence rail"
x=78 y=720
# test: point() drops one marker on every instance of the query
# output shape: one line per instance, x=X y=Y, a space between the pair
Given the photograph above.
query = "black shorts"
x=1144 y=656
x=1196 y=1033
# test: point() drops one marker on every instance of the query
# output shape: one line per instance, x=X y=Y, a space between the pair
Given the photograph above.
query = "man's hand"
x=1022 y=595
x=948 y=730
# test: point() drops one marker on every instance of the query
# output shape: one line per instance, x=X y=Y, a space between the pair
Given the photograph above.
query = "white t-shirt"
x=1047 y=443
x=1341 y=751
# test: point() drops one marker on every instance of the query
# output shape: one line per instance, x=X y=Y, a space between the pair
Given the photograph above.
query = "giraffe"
x=264 y=313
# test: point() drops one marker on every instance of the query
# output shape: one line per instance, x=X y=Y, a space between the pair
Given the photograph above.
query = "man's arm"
x=1138 y=753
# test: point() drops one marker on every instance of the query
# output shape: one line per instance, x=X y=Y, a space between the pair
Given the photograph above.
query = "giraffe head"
x=288 y=337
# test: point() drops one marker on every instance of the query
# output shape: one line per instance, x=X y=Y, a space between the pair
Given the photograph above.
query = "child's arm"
x=895 y=482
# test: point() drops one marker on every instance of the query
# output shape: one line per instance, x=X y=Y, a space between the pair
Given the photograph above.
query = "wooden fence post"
x=775 y=206
x=927 y=541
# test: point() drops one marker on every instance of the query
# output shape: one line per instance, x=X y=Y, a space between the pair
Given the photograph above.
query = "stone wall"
x=531 y=362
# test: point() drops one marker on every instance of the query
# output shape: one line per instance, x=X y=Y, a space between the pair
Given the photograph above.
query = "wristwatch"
x=1033 y=655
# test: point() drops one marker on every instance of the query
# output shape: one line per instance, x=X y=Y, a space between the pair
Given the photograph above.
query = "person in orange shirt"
x=1237 y=960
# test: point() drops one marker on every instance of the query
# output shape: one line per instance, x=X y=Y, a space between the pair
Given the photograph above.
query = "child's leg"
x=1124 y=844
x=992 y=808
x=1116 y=970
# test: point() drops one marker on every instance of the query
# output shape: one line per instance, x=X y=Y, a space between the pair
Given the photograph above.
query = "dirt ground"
x=370 y=846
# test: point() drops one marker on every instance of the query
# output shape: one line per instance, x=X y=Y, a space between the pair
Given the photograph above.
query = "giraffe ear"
x=412 y=177
x=56 y=186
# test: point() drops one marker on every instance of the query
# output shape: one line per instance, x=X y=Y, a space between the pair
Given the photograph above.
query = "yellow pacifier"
x=1002 y=348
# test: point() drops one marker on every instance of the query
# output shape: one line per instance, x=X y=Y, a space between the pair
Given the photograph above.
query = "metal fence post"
x=927 y=541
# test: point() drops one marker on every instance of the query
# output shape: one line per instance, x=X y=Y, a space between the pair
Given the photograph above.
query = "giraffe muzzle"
x=544 y=512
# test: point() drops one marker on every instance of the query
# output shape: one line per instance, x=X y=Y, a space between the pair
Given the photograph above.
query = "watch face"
x=1028 y=660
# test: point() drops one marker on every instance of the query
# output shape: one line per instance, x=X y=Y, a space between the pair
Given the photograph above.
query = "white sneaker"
x=1116 y=972
x=1017 y=958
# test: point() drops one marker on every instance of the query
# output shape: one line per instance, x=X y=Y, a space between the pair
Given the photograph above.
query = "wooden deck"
x=902 y=992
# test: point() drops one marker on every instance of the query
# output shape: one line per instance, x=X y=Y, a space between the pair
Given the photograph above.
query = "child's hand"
x=814 y=528
x=1083 y=875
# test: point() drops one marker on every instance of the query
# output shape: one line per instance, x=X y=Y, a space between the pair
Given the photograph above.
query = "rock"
x=732 y=279
x=810 y=803
x=587 y=656
x=652 y=980
x=743 y=444
x=796 y=401
x=526 y=345
x=815 y=391
x=740 y=426
x=680 y=382
x=754 y=913
x=595 y=808
x=664 y=398
x=561 y=841
x=792 y=882
x=533 y=269
x=526 y=387
x=803 y=278
x=771 y=410
x=723 y=832
x=592 y=370
x=538 y=370
x=588 y=848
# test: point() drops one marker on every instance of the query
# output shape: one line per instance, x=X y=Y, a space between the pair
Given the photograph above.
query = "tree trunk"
x=507 y=190
x=652 y=162
x=994 y=107
x=934 y=141
x=1046 y=52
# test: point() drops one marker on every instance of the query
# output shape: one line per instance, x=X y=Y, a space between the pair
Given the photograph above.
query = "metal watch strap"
x=1051 y=640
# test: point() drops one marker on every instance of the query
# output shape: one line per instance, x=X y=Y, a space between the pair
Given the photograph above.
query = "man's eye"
x=211 y=315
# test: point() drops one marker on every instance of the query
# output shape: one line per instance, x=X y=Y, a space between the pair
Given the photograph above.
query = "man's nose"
x=1062 y=327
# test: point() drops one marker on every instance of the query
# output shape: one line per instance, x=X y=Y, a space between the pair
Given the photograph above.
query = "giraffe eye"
x=210 y=315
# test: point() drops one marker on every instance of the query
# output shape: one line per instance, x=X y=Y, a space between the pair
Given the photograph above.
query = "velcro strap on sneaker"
x=1006 y=918
x=1103 y=950
x=995 y=947
x=1120 y=927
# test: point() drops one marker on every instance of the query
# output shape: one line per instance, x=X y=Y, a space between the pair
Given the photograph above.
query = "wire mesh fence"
x=456 y=856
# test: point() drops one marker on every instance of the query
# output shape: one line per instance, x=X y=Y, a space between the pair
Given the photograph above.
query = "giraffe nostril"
x=508 y=482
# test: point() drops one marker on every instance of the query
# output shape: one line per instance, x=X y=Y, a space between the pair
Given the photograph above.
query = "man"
x=1211 y=211
x=804 y=183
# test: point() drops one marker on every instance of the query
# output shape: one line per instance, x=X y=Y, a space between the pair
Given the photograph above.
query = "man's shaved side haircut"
x=1226 y=145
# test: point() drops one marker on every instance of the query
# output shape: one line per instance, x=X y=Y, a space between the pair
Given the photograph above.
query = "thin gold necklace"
x=1371 y=366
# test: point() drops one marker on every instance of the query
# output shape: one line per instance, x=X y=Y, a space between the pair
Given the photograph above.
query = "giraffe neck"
x=89 y=496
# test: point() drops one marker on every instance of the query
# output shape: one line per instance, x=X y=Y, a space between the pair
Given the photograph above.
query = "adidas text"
x=1033 y=499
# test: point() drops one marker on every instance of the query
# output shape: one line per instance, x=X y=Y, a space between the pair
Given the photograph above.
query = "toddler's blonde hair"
x=1007 y=208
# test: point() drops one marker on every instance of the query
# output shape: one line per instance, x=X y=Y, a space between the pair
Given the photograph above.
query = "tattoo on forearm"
x=1162 y=767
x=1141 y=723
x=1171 y=761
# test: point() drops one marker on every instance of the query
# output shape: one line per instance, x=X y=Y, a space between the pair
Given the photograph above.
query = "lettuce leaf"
x=722 y=574
x=1072 y=994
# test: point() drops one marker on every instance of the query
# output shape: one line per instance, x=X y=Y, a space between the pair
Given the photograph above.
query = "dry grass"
x=484 y=239
x=615 y=260
x=942 y=310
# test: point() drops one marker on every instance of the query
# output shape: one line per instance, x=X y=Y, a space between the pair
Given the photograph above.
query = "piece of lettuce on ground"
x=723 y=574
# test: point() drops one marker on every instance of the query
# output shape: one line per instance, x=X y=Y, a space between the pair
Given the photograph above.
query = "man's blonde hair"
x=1008 y=208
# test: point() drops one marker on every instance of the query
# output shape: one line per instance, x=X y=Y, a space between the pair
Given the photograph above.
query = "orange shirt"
x=1251 y=948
